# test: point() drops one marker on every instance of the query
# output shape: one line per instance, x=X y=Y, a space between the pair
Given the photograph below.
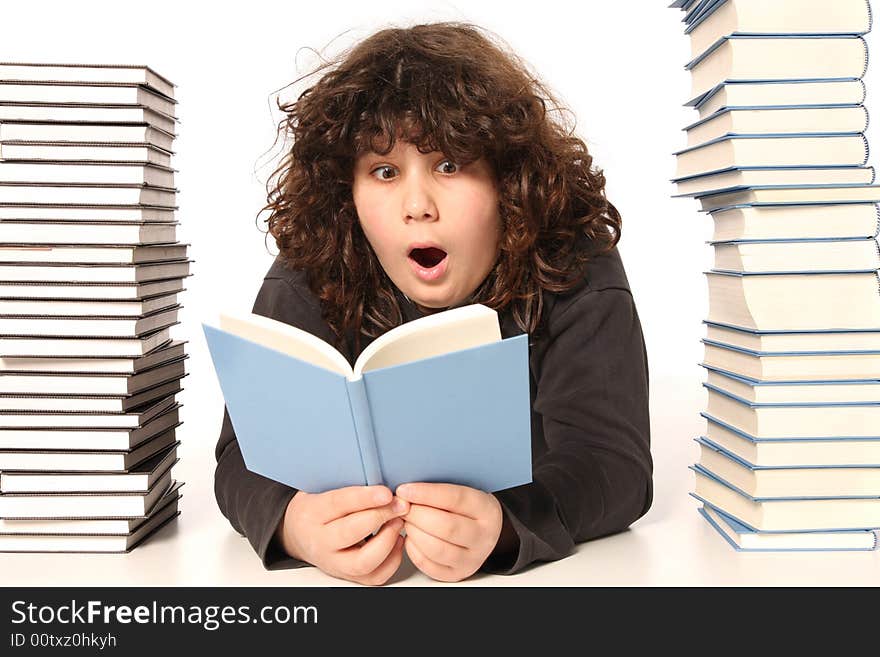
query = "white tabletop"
x=671 y=546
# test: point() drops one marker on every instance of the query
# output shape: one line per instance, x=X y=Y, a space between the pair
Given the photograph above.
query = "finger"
x=342 y=501
x=437 y=550
x=387 y=568
x=350 y=529
x=450 y=527
x=431 y=569
x=363 y=560
x=452 y=497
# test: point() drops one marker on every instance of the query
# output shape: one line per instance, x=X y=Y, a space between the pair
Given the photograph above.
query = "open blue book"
x=441 y=399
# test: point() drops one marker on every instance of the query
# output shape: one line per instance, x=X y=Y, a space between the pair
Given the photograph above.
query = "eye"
x=384 y=172
x=447 y=167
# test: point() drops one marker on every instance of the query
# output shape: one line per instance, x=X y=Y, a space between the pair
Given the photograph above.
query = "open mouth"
x=428 y=258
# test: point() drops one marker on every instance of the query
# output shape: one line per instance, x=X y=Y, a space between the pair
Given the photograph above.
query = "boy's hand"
x=333 y=530
x=450 y=529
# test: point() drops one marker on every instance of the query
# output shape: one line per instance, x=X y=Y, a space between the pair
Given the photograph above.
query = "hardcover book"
x=442 y=398
x=165 y=353
x=54 y=272
x=790 y=514
x=89 y=213
x=84 y=403
x=86 y=173
x=84 y=505
x=70 y=383
x=73 y=326
x=818 y=221
x=83 y=233
x=104 y=543
x=110 y=253
x=89 y=438
x=726 y=17
x=68 y=460
x=88 y=113
x=746 y=539
x=793 y=391
x=95 y=74
x=782 y=256
x=793 y=365
x=791 y=195
x=91 y=290
x=808 y=150
x=807 y=420
x=86 y=526
x=70 y=194
x=796 y=301
x=85 y=133
x=787 y=57
x=741 y=177
x=780 y=93
x=778 y=120
x=86 y=93
x=83 y=346
x=793 y=340
x=761 y=481
x=792 y=449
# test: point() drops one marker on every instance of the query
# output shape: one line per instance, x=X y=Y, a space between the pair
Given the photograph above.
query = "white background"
x=617 y=65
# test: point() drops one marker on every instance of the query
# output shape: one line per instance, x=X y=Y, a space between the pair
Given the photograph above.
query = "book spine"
x=876 y=250
x=363 y=424
x=870 y=16
x=877 y=226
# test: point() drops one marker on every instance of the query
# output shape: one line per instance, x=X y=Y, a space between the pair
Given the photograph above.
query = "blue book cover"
x=745 y=329
x=795 y=240
x=801 y=404
x=734 y=170
x=794 y=439
x=745 y=539
x=702 y=99
x=461 y=417
x=758 y=354
x=799 y=382
x=703 y=440
x=694 y=10
x=789 y=195
x=727 y=110
x=797 y=499
x=708 y=7
x=777 y=135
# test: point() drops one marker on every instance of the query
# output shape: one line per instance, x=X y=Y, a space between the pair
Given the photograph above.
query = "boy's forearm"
x=253 y=504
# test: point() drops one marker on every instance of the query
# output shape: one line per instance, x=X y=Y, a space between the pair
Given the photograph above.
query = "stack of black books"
x=90 y=273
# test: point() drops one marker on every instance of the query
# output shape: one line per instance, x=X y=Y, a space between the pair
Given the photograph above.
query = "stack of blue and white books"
x=790 y=459
x=90 y=272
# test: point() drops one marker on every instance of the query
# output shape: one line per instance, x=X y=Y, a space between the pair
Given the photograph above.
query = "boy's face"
x=434 y=225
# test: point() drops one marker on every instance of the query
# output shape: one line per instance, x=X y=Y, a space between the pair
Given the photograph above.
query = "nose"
x=418 y=201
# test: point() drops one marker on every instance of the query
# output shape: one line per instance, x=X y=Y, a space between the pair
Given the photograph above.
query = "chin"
x=434 y=302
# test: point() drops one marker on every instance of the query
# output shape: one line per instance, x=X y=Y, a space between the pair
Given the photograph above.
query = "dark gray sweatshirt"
x=591 y=459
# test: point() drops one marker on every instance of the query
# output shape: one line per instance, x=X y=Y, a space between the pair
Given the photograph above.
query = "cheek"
x=370 y=215
x=485 y=220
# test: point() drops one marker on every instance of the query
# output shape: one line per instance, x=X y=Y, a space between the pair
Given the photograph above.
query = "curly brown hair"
x=447 y=87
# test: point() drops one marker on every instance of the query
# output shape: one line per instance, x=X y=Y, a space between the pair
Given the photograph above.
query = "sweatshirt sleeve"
x=595 y=478
x=253 y=504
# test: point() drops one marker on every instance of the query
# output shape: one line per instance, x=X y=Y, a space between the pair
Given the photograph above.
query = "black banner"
x=129 y=621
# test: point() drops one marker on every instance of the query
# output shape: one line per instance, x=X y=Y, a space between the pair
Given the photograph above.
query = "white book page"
x=286 y=339
x=441 y=333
